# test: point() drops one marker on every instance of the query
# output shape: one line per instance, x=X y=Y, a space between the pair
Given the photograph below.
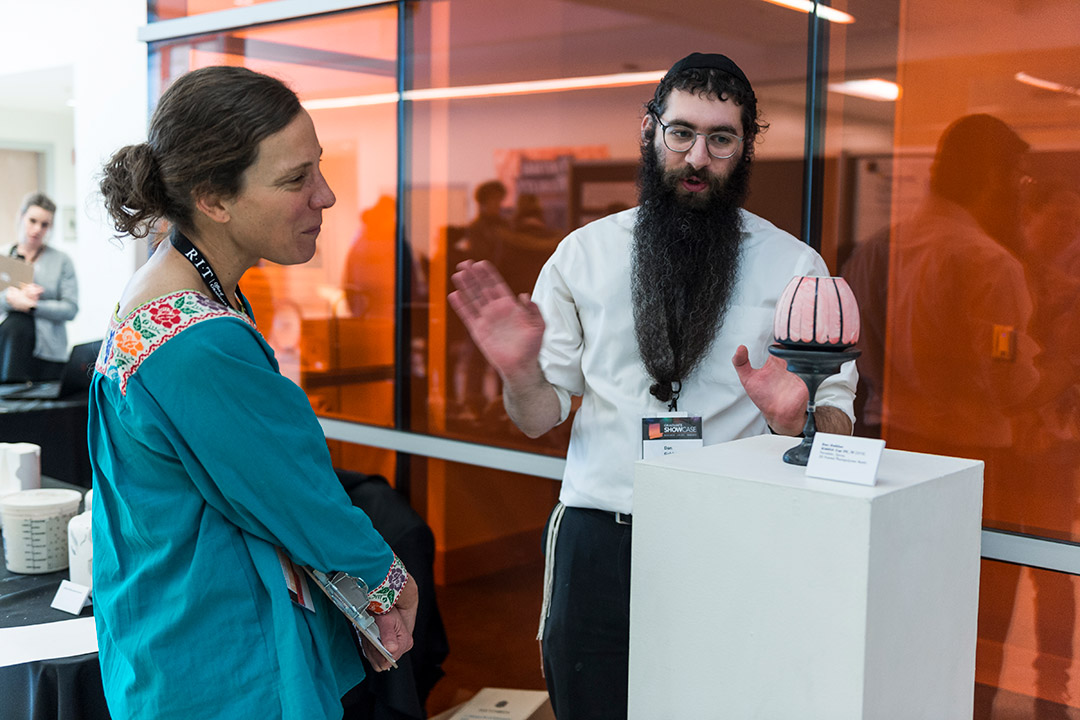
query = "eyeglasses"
x=679 y=138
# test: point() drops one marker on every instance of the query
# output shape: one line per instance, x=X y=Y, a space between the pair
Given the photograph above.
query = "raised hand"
x=780 y=395
x=508 y=329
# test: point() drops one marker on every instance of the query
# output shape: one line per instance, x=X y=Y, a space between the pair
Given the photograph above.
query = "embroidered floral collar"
x=132 y=339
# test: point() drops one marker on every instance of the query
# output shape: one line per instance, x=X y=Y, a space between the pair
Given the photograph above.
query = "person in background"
x=486 y=234
x=966 y=374
x=213 y=485
x=474 y=386
x=663 y=307
x=1041 y=469
x=529 y=217
x=368 y=279
x=33 y=317
x=955 y=282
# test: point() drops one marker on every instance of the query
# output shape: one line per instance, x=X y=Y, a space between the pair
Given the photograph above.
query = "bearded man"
x=639 y=313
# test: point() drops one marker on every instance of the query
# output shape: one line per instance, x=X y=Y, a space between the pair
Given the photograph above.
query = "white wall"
x=52 y=133
x=44 y=33
x=110 y=95
x=98 y=40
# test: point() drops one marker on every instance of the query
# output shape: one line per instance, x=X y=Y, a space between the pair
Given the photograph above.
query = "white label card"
x=71 y=597
x=845 y=458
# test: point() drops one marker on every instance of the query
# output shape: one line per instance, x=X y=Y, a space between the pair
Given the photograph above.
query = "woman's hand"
x=395 y=628
x=33 y=291
x=24 y=298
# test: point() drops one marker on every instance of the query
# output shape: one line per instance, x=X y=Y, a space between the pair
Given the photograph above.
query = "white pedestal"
x=760 y=593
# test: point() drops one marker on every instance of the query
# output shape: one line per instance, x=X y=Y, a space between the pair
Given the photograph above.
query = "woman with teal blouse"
x=213 y=485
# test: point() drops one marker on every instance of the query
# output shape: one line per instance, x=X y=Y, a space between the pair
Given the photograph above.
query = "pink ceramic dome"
x=817 y=312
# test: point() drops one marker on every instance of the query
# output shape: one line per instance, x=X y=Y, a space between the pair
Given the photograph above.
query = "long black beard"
x=685 y=265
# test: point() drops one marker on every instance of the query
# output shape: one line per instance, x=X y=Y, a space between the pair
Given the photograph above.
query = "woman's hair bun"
x=134 y=193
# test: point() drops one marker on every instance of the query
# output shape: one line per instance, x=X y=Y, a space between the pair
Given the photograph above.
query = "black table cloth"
x=56 y=689
x=58 y=426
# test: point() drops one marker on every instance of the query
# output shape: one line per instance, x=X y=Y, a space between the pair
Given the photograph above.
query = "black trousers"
x=17 y=336
x=587 y=633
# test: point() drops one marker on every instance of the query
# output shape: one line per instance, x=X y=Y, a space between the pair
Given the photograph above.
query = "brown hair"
x=203 y=135
x=972 y=153
x=37 y=199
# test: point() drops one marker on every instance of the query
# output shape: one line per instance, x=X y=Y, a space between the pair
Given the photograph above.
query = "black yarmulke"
x=709 y=60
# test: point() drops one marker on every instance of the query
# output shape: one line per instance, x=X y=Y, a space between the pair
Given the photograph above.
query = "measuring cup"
x=36 y=529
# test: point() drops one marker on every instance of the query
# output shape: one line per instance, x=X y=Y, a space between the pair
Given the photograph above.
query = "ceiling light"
x=822 y=11
x=1046 y=84
x=588 y=82
x=870 y=89
x=353 y=101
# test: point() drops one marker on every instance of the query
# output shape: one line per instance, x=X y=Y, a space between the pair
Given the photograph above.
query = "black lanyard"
x=16 y=254
x=201 y=264
x=674 y=406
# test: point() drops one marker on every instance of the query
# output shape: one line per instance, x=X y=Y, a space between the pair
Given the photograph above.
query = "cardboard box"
x=502 y=704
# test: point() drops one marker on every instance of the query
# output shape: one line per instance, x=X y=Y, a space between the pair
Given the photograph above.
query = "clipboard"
x=351 y=599
x=14 y=272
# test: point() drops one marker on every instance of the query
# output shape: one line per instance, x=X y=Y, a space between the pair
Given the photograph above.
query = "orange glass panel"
x=1027 y=632
x=505 y=177
x=979 y=320
x=957 y=224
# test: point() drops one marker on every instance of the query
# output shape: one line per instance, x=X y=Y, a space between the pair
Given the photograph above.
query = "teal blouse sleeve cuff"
x=382 y=598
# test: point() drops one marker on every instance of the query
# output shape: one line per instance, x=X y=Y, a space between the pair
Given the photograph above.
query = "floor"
x=491 y=624
x=1004 y=705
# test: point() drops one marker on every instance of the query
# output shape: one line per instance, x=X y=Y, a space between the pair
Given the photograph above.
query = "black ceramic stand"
x=813 y=366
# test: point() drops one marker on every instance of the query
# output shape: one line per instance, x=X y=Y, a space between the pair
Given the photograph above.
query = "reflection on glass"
x=957 y=243
x=1027 y=631
x=960 y=357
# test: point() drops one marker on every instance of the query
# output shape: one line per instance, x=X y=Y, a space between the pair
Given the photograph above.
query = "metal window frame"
x=440 y=448
x=999 y=545
x=243 y=17
x=1037 y=552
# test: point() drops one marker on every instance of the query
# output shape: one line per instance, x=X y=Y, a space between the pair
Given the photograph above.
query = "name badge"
x=669 y=434
x=295 y=581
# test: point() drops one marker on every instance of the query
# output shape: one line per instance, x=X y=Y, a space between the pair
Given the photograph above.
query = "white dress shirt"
x=590 y=349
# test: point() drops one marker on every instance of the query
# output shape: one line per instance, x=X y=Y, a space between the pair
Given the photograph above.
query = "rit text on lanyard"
x=202 y=265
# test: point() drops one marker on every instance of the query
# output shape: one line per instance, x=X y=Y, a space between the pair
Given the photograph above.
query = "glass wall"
x=498 y=126
x=552 y=159
x=505 y=155
x=960 y=240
